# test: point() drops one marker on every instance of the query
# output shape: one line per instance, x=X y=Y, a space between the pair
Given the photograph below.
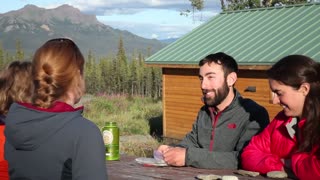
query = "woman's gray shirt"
x=53 y=145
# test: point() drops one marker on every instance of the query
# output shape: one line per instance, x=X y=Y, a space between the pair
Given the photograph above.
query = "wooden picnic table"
x=128 y=168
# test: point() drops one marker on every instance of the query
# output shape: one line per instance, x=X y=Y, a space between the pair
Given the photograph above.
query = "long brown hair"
x=57 y=69
x=15 y=84
x=294 y=70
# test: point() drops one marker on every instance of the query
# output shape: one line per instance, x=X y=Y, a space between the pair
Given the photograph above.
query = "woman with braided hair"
x=291 y=142
x=49 y=138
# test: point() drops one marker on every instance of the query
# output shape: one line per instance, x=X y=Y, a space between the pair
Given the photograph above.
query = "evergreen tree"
x=2 y=60
x=90 y=73
x=133 y=74
x=8 y=59
x=140 y=75
x=231 y=5
x=19 y=52
x=122 y=68
x=111 y=75
x=106 y=75
x=157 y=82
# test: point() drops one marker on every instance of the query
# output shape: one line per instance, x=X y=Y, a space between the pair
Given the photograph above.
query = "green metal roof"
x=253 y=37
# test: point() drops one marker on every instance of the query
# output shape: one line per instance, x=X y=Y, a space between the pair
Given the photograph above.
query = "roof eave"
x=241 y=66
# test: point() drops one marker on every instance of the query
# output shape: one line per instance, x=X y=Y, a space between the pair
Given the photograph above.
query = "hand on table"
x=175 y=156
x=163 y=148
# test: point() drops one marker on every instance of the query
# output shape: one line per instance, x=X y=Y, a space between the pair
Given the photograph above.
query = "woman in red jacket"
x=15 y=86
x=291 y=141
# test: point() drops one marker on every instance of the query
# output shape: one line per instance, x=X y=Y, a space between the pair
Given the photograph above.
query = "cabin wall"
x=257 y=79
x=182 y=97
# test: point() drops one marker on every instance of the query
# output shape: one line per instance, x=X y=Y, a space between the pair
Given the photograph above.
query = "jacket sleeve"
x=200 y=157
x=306 y=165
x=203 y=158
x=257 y=155
x=89 y=161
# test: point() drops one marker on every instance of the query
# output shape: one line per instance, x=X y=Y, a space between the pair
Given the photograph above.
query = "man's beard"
x=219 y=95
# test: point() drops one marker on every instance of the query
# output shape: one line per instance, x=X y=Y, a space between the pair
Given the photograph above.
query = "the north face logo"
x=232 y=126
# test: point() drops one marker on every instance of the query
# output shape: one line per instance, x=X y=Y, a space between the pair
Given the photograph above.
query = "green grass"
x=133 y=115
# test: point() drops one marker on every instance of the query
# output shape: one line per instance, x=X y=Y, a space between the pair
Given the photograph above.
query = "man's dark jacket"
x=231 y=129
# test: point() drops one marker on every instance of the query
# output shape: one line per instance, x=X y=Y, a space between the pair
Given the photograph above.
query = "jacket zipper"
x=214 y=119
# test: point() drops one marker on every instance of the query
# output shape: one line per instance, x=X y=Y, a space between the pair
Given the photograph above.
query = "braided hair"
x=57 y=70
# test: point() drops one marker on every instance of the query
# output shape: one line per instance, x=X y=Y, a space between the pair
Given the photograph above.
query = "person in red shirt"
x=291 y=141
x=15 y=86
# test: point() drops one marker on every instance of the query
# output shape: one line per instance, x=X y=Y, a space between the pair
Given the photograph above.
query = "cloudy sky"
x=158 y=19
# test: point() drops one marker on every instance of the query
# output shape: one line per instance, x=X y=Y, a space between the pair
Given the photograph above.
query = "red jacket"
x=3 y=163
x=267 y=149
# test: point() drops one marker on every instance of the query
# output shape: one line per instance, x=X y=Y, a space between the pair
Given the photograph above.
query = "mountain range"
x=32 y=26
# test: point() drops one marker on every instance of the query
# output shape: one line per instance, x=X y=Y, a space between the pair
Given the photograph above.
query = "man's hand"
x=163 y=148
x=175 y=156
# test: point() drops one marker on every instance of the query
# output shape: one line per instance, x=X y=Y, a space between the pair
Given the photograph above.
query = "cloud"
x=158 y=19
x=152 y=30
x=109 y=7
x=154 y=36
x=135 y=4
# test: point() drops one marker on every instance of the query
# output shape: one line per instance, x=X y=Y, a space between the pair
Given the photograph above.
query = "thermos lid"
x=111 y=123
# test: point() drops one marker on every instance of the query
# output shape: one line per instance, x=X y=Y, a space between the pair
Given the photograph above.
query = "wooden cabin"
x=256 y=38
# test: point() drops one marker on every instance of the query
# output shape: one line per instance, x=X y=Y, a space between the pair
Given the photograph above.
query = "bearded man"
x=224 y=125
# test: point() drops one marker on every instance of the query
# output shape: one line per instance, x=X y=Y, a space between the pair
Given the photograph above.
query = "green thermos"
x=110 y=133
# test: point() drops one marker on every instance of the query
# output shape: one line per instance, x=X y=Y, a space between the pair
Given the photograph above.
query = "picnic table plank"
x=128 y=168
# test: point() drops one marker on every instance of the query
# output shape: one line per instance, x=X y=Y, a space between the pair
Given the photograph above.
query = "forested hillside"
x=115 y=74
